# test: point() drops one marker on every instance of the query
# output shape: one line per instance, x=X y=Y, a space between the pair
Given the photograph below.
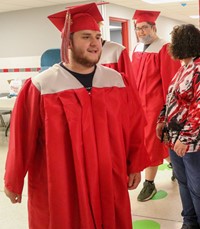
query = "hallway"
x=162 y=212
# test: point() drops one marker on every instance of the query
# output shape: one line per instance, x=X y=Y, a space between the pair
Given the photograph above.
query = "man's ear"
x=70 y=45
x=154 y=28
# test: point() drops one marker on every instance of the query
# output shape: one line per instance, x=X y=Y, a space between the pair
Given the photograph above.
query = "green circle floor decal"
x=145 y=224
x=159 y=195
x=164 y=167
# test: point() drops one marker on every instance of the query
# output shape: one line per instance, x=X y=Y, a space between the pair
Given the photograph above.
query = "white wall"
x=13 y=63
x=117 y=11
x=26 y=34
x=165 y=26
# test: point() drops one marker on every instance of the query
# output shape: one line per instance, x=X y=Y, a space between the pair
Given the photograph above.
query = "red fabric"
x=83 y=21
x=183 y=107
x=145 y=16
x=123 y=66
x=78 y=150
x=153 y=73
x=84 y=16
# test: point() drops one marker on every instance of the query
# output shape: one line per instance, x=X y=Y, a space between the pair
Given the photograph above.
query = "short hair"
x=151 y=23
x=185 y=42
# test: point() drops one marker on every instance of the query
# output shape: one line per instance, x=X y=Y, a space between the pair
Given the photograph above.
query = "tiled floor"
x=165 y=212
x=11 y=216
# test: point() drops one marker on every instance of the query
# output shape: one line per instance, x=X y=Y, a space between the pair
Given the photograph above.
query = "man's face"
x=86 y=47
x=145 y=32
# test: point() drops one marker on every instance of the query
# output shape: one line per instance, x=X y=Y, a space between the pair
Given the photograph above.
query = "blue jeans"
x=187 y=172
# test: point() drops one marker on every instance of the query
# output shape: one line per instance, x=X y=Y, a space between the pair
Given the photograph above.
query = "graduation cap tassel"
x=65 y=38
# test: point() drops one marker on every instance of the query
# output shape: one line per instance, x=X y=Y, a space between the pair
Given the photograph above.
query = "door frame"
x=124 y=32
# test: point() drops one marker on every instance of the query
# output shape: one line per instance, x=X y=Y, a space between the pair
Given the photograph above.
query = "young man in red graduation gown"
x=153 y=70
x=76 y=130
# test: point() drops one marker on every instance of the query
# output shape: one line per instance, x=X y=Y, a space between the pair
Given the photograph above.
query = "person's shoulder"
x=107 y=70
x=161 y=42
x=157 y=45
x=197 y=61
x=197 y=65
x=46 y=73
x=43 y=78
x=113 y=45
x=111 y=52
x=109 y=76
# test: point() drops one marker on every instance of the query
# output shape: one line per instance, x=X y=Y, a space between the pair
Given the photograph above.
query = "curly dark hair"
x=185 y=42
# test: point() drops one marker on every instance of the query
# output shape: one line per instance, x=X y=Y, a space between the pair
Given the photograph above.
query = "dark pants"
x=187 y=172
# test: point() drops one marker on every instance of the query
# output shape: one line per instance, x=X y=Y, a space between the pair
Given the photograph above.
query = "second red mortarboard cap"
x=145 y=16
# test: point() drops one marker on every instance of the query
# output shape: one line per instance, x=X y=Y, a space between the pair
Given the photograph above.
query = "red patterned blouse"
x=182 y=109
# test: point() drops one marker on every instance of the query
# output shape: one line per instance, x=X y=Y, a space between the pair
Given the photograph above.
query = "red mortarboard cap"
x=145 y=16
x=83 y=17
x=74 y=19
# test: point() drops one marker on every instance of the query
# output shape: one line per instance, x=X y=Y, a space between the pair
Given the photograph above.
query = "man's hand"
x=180 y=148
x=14 y=198
x=133 y=180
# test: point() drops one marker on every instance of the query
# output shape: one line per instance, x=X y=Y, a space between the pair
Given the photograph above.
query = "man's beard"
x=81 y=59
x=146 y=40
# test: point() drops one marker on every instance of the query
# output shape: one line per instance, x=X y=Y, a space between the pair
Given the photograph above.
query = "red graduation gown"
x=153 y=70
x=115 y=56
x=77 y=148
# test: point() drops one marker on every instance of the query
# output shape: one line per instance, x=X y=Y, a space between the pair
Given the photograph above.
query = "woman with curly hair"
x=179 y=121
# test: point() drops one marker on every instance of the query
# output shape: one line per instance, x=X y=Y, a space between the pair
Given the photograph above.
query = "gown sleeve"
x=137 y=158
x=125 y=68
x=24 y=130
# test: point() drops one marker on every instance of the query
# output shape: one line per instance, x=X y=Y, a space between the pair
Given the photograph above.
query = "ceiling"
x=178 y=11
